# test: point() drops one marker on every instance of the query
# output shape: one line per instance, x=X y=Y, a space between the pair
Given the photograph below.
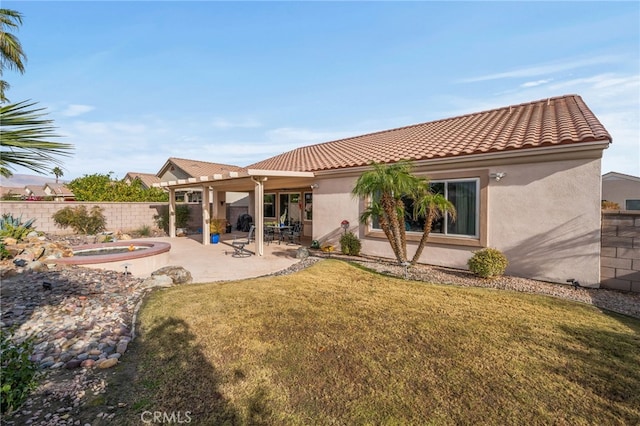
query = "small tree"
x=81 y=220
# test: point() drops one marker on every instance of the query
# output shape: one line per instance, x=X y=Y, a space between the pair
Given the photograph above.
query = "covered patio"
x=252 y=181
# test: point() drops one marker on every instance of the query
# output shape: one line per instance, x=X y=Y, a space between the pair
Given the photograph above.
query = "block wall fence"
x=620 y=253
x=125 y=217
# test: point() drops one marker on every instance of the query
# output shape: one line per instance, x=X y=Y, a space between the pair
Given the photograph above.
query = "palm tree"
x=23 y=130
x=57 y=171
x=11 y=54
x=386 y=185
x=23 y=139
x=429 y=206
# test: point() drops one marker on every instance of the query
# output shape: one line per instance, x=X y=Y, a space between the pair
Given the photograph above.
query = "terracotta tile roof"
x=202 y=168
x=561 y=120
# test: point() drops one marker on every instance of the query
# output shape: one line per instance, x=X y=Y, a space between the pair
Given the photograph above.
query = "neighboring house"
x=621 y=189
x=11 y=192
x=148 y=179
x=58 y=192
x=182 y=169
x=34 y=193
x=525 y=179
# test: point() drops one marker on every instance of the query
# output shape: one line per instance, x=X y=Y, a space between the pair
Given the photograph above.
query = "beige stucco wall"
x=620 y=190
x=544 y=216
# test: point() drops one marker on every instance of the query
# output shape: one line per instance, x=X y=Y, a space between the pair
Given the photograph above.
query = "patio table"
x=280 y=229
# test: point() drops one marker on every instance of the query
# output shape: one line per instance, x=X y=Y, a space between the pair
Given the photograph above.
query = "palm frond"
x=24 y=139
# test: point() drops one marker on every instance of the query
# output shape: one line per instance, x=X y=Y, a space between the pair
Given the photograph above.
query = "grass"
x=335 y=344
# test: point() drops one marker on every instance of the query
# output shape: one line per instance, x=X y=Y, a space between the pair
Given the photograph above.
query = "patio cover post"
x=206 y=231
x=172 y=213
x=259 y=213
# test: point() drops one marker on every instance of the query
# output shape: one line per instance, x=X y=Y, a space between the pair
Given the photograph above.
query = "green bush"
x=182 y=217
x=350 y=244
x=81 y=220
x=19 y=373
x=488 y=262
x=12 y=227
x=4 y=253
x=144 y=231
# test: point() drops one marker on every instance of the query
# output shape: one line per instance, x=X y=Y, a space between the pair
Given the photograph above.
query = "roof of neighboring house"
x=618 y=176
x=196 y=168
x=11 y=190
x=36 y=191
x=148 y=179
x=59 y=189
x=562 y=120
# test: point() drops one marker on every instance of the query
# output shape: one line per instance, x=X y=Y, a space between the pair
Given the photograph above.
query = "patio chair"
x=294 y=234
x=268 y=235
x=238 y=244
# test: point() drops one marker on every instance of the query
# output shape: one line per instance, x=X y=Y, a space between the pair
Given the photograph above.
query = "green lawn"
x=335 y=344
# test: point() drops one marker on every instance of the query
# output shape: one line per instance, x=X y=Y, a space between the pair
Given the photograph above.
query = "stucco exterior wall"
x=544 y=216
x=123 y=217
x=620 y=190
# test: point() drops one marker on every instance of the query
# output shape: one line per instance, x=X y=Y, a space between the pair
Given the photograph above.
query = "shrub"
x=81 y=220
x=488 y=262
x=610 y=205
x=18 y=371
x=350 y=244
x=4 y=253
x=11 y=227
x=182 y=217
x=144 y=231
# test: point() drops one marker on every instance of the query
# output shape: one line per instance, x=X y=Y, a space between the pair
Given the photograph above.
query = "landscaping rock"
x=160 y=281
x=178 y=274
x=108 y=363
x=302 y=253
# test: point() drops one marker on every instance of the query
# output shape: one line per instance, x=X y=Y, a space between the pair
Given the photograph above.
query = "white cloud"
x=75 y=110
x=545 y=69
x=535 y=83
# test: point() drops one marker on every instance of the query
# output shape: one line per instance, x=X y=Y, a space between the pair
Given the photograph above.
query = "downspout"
x=259 y=213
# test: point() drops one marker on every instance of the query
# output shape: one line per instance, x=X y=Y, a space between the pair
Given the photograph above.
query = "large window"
x=464 y=195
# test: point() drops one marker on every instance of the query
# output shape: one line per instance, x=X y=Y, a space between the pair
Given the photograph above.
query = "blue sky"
x=133 y=83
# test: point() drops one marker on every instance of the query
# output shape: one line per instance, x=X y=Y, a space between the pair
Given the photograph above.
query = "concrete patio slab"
x=215 y=262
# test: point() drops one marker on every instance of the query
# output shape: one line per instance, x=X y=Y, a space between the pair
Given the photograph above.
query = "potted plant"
x=216 y=227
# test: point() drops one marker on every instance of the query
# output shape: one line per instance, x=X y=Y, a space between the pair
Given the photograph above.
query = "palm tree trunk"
x=423 y=239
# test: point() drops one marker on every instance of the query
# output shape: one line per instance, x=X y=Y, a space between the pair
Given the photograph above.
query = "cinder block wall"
x=125 y=217
x=620 y=254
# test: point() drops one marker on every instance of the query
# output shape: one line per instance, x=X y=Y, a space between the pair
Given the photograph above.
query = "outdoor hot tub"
x=140 y=258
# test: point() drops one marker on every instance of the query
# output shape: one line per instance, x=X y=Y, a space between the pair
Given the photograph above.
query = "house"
x=34 y=193
x=148 y=180
x=11 y=192
x=524 y=178
x=621 y=189
x=58 y=192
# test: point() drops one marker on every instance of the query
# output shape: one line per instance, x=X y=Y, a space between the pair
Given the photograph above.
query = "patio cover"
x=251 y=180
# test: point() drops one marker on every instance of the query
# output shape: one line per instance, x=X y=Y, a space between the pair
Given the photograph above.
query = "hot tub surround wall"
x=140 y=263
